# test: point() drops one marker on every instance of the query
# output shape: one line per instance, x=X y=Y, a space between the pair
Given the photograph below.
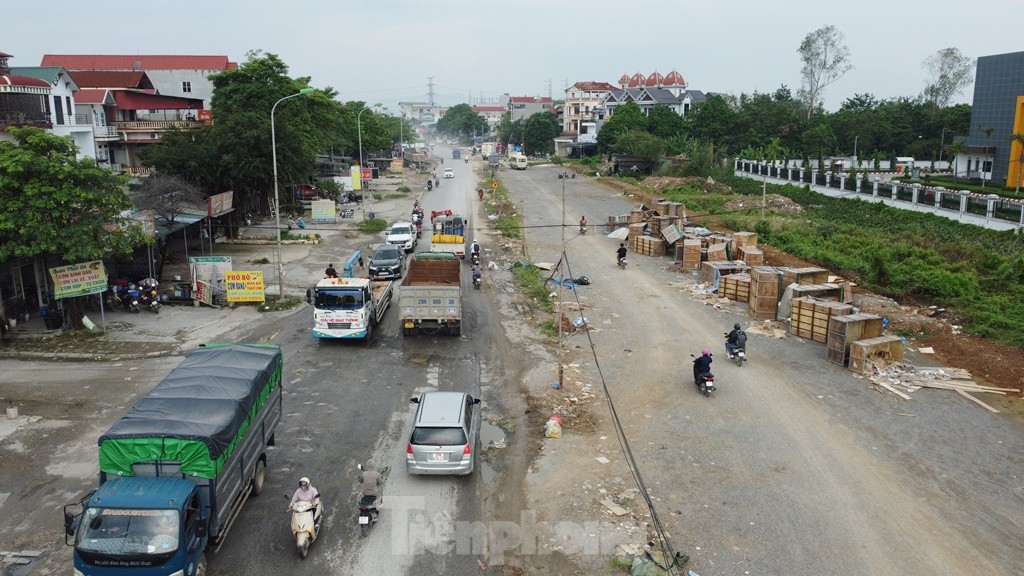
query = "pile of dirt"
x=706 y=185
x=775 y=203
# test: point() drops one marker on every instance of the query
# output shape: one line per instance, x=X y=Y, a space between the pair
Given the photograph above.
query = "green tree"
x=819 y=140
x=53 y=203
x=713 y=120
x=625 y=118
x=640 y=144
x=949 y=72
x=461 y=120
x=825 y=59
x=540 y=132
x=664 y=123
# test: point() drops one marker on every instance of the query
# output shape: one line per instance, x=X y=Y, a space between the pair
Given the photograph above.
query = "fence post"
x=991 y=208
x=874 y=187
x=915 y=191
x=963 y=204
x=938 y=199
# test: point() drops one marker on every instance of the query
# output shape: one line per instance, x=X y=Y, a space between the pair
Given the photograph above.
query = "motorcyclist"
x=371 y=481
x=621 y=251
x=474 y=248
x=701 y=365
x=330 y=272
x=735 y=339
x=305 y=493
x=476 y=271
x=583 y=224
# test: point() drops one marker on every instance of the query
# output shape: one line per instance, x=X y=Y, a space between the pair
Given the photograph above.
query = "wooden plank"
x=978 y=402
x=950 y=386
x=893 y=390
x=615 y=508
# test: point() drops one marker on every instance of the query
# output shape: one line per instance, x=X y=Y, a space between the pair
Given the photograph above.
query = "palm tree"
x=954 y=149
x=987 y=131
x=1018 y=139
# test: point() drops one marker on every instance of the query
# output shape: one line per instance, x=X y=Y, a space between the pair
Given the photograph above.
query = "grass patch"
x=549 y=328
x=528 y=279
x=372 y=226
x=394 y=196
x=498 y=203
x=260 y=261
x=404 y=189
x=276 y=304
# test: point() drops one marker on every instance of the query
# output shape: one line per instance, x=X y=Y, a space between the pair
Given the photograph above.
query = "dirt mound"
x=706 y=185
x=775 y=202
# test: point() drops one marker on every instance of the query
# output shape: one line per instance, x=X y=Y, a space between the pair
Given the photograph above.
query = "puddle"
x=487 y=473
x=492 y=436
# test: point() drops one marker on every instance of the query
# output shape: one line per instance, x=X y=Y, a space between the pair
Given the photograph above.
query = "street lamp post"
x=359 y=131
x=856 y=162
x=942 y=143
x=277 y=199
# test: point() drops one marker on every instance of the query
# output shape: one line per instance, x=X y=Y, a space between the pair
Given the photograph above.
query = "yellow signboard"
x=244 y=286
x=494 y=184
x=78 y=279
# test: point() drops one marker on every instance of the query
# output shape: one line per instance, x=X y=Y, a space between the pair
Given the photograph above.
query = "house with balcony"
x=171 y=75
x=522 y=107
x=491 y=113
x=24 y=100
x=127 y=114
x=64 y=118
x=581 y=118
x=650 y=91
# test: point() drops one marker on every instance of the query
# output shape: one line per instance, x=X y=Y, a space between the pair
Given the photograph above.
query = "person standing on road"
x=330 y=272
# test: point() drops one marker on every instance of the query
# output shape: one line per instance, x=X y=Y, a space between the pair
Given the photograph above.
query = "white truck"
x=403 y=234
x=348 y=307
x=430 y=297
x=449 y=234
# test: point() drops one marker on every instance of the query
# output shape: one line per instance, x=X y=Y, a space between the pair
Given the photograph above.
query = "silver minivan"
x=443 y=434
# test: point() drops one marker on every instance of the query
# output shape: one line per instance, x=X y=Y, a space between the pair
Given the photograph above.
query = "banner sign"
x=324 y=211
x=244 y=286
x=220 y=204
x=78 y=279
x=209 y=269
x=203 y=293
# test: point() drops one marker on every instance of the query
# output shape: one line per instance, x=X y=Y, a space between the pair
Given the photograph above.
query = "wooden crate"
x=845 y=330
x=741 y=239
x=792 y=275
x=751 y=255
x=762 y=307
x=690 y=255
x=883 y=349
x=709 y=269
x=717 y=253
x=649 y=246
x=810 y=317
x=736 y=287
x=821 y=291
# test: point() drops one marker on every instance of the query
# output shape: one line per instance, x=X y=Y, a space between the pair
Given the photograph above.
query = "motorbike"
x=430 y=185
x=369 y=508
x=474 y=258
x=583 y=229
x=130 y=298
x=705 y=381
x=738 y=353
x=148 y=297
x=477 y=280
x=306 y=520
x=467 y=160
x=622 y=262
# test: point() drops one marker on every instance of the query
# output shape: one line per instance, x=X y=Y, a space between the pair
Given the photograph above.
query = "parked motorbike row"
x=134 y=297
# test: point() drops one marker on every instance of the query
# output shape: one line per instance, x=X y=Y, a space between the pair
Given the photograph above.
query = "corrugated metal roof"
x=127 y=100
x=93 y=96
x=137 y=62
x=112 y=79
x=11 y=80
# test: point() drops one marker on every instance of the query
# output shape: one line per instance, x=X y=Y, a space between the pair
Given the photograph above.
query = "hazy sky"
x=381 y=51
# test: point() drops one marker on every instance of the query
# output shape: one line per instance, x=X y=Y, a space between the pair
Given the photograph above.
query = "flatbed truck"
x=348 y=307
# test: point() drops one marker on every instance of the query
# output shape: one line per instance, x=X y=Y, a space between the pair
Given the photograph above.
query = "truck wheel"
x=259 y=478
x=201 y=565
x=369 y=331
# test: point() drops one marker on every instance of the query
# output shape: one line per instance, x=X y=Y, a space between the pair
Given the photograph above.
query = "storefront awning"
x=164 y=229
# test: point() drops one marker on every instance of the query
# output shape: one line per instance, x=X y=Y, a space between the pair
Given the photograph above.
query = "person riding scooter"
x=305 y=493
x=735 y=339
x=701 y=365
x=371 y=481
x=474 y=252
x=583 y=225
x=477 y=280
x=621 y=253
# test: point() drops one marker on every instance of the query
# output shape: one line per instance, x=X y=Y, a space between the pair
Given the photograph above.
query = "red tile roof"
x=593 y=86
x=488 y=108
x=23 y=81
x=674 y=79
x=137 y=62
x=130 y=100
x=529 y=99
x=91 y=96
x=108 y=79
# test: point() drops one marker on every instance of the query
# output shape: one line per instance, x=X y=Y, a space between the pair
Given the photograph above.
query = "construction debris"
x=898 y=378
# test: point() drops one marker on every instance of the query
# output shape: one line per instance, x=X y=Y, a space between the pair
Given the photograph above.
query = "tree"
x=461 y=120
x=712 y=121
x=640 y=144
x=949 y=72
x=625 y=118
x=825 y=59
x=664 y=123
x=819 y=140
x=540 y=132
x=168 y=196
x=53 y=203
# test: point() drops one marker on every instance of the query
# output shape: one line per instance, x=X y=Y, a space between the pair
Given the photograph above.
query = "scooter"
x=622 y=262
x=477 y=281
x=430 y=185
x=130 y=298
x=583 y=230
x=369 y=509
x=738 y=353
x=474 y=258
x=148 y=296
x=705 y=381
x=306 y=520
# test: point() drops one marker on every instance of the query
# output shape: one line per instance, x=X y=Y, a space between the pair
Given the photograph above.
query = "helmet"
x=303 y=482
x=736 y=326
x=705 y=352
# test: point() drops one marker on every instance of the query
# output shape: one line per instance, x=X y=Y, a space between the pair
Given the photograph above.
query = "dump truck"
x=177 y=468
x=449 y=233
x=348 y=307
x=430 y=296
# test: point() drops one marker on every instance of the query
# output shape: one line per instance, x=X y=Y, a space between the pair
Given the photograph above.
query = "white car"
x=403 y=235
x=449 y=173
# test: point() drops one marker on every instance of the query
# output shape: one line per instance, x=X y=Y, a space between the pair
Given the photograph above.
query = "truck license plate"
x=364 y=519
x=409 y=324
x=438 y=457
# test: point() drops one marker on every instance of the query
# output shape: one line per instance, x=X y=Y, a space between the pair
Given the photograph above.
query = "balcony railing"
x=156 y=124
x=104 y=131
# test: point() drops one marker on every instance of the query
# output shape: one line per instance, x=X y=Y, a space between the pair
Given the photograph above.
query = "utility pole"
x=430 y=90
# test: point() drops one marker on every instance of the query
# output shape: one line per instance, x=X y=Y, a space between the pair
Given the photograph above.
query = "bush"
x=372 y=226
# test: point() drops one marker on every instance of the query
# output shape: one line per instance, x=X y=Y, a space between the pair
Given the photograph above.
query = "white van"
x=517 y=162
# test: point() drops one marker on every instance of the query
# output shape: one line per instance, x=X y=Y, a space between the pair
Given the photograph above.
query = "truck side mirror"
x=414 y=400
x=69 y=523
x=309 y=295
x=476 y=400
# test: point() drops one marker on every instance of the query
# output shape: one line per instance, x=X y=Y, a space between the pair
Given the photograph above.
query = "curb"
x=84 y=356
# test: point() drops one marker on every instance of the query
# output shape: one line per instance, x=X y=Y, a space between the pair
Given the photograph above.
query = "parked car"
x=449 y=173
x=388 y=261
x=444 y=434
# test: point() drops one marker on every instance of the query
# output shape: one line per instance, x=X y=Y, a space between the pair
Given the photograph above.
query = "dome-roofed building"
x=655 y=80
x=653 y=90
x=24 y=101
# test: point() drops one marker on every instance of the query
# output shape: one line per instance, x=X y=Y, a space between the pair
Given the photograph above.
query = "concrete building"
x=523 y=107
x=61 y=106
x=997 y=114
x=650 y=91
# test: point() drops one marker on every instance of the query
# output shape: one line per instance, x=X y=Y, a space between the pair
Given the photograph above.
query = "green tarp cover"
x=197 y=414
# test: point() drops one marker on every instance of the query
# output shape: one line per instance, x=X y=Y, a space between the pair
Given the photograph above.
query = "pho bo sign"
x=244 y=286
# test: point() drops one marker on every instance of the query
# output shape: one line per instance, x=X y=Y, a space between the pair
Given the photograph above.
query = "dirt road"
x=795 y=466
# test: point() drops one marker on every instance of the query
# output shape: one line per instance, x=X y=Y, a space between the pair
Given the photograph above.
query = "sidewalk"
x=179 y=328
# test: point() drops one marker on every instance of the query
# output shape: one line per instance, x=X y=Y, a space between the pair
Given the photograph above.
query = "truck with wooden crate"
x=177 y=468
x=449 y=234
x=430 y=296
x=348 y=307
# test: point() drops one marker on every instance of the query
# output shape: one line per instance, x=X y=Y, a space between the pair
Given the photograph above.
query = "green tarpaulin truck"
x=177 y=468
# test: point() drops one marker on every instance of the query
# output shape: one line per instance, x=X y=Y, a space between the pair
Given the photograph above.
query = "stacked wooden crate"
x=752 y=255
x=717 y=253
x=635 y=229
x=708 y=270
x=810 y=318
x=690 y=255
x=636 y=215
x=804 y=276
x=845 y=330
x=740 y=240
x=883 y=349
x=826 y=291
x=765 y=290
x=736 y=287
x=648 y=245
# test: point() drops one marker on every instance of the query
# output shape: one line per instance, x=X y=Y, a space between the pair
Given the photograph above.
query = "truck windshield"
x=120 y=531
x=401 y=231
x=339 y=299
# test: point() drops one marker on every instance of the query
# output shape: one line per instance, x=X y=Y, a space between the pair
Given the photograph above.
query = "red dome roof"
x=624 y=80
x=7 y=80
x=674 y=79
x=637 y=80
x=655 y=79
